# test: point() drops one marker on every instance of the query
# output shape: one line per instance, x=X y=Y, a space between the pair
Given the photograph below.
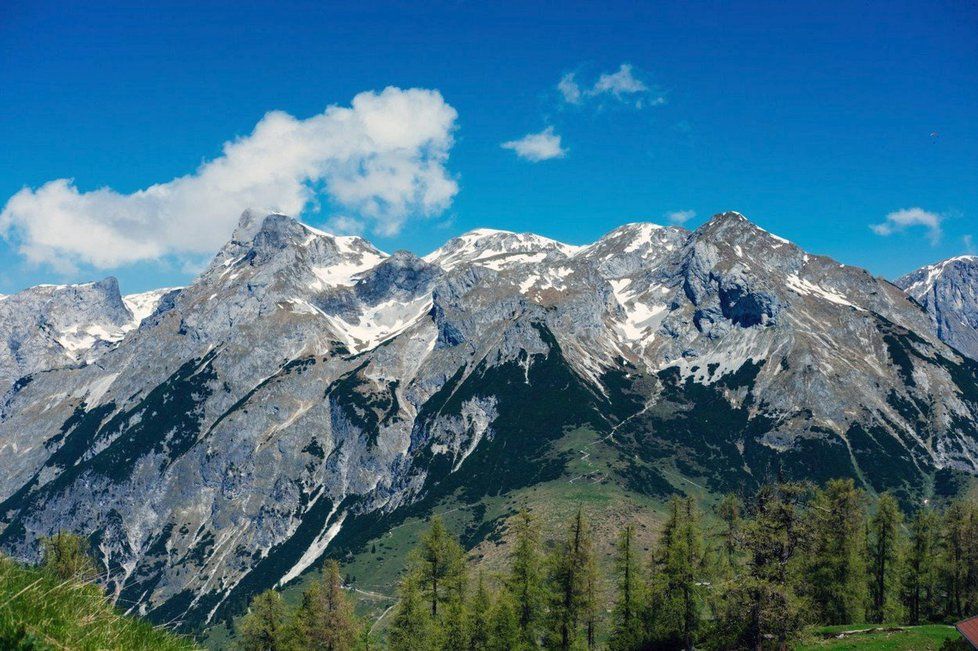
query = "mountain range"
x=307 y=391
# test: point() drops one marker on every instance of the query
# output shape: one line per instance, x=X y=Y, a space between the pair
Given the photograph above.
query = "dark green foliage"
x=440 y=567
x=835 y=571
x=677 y=592
x=627 y=630
x=884 y=560
x=526 y=579
x=573 y=589
x=760 y=607
x=920 y=584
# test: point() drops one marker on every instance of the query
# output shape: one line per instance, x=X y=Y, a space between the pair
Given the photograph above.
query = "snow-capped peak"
x=143 y=304
x=498 y=249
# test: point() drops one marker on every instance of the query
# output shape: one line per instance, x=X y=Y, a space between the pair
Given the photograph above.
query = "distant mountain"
x=307 y=391
x=949 y=292
x=52 y=326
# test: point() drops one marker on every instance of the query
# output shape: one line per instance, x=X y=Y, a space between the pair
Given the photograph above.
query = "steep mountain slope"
x=51 y=326
x=308 y=392
x=948 y=291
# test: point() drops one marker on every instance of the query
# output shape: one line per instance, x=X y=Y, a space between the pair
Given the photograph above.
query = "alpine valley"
x=309 y=394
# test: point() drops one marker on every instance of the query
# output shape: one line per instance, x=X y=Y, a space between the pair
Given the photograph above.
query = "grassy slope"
x=38 y=611
x=874 y=637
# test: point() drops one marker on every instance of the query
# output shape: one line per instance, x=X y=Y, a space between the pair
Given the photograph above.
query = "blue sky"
x=816 y=120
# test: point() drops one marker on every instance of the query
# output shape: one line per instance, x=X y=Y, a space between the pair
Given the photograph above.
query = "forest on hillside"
x=788 y=558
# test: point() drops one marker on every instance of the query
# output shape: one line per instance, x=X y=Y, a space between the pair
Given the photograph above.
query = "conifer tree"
x=573 y=582
x=481 y=617
x=677 y=583
x=441 y=566
x=836 y=568
x=506 y=634
x=729 y=510
x=921 y=568
x=325 y=620
x=265 y=626
x=453 y=623
x=526 y=578
x=760 y=607
x=960 y=558
x=627 y=632
x=884 y=559
x=412 y=627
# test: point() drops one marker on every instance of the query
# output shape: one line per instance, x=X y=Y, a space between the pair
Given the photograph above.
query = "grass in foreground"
x=879 y=637
x=40 y=612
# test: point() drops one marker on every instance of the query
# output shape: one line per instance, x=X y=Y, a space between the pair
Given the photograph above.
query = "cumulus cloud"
x=380 y=160
x=680 y=216
x=536 y=147
x=900 y=220
x=622 y=84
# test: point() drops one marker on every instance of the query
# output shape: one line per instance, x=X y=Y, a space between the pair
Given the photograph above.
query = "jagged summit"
x=948 y=290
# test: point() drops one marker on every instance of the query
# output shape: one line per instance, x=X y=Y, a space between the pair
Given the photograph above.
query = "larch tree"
x=627 y=630
x=526 y=580
x=412 y=627
x=884 y=560
x=266 y=625
x=836 y=567
x=920 y=584
x=573 y=582
x=441 y=565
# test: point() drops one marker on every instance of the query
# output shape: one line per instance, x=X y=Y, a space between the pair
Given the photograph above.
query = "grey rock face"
x=306 y=384
x=948 y=291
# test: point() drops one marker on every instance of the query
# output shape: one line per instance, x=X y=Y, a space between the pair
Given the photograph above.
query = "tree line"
x=752 y=577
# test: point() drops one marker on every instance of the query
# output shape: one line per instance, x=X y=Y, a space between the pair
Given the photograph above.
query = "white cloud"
x=680 y=216
x=536 y=147
x=900 y=220
x=344 y=225
x=619 y=83
x=969 y=244
x=381 y=159
x=622 y=84
x=569 y=89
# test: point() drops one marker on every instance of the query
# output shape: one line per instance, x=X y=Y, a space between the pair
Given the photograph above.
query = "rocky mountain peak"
x=497 y=249
x=948 y=291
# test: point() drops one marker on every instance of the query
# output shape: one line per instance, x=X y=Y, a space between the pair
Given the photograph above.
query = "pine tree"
x=265 y=627
x=836 y=570
x=412 y=628
x=573 y=583
x=441 y=564
x=68 y=556
x=526 y=578
x=921 y=568
x=325 y=618
x=884 y=559
x=627 y=630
